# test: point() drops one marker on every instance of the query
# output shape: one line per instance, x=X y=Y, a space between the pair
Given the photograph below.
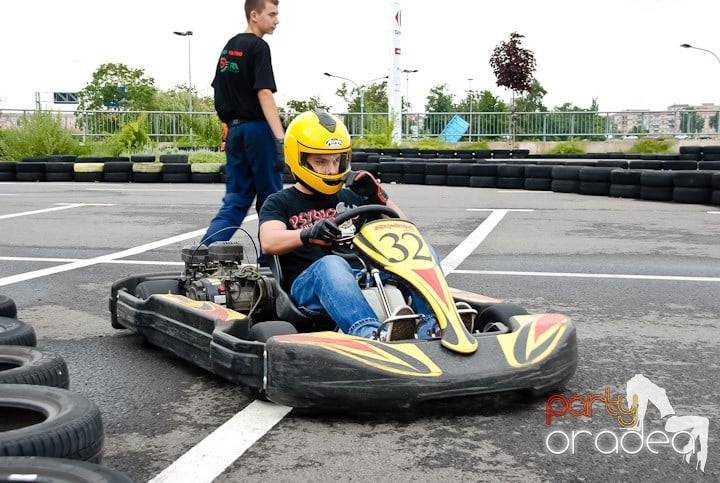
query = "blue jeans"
x=251 y=153
x=329 y=286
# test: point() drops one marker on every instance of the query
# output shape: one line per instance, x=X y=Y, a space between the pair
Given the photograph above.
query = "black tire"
x=570 y=173
x=16 y=332
x=117 y=177
x=483 y=181
x=538 y=184
x=49 y=421
x=147 y=177
x=27 y=365
x=499 y=313
x=152 y=287
x=700 y=196
x=414 y=178
x=594 y=188
x=177 y=177
x=7 y=307
x=595 y=174
x=142 y=158
x=90 y=177
x=176 y=168
x=174 y=158
x=209 y=178
x=656 y=193
x=510 y=183
x=454 y=180
x=58 y=470
x=262 y=331
x=66 y=176
x=625 y=190
x=436 y=179
x=565 y=185
x=657 y=178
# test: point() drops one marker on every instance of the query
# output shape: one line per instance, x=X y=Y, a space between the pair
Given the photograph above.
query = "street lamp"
x=688 y=46
x=470 y=98
x=361 y=91
x=407 y=73
x=188 y=34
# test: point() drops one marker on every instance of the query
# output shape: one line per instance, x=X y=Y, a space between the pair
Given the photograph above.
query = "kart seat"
x=286 y=308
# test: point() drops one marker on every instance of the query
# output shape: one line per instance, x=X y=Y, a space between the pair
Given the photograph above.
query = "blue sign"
x=454 y=130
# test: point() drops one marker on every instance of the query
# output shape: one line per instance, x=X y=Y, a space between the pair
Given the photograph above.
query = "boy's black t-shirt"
x=299 y=211
x=244 y=67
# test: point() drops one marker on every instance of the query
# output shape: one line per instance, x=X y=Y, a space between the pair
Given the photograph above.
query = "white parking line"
x=72 y=260
x=469 y=244
x=64 y=206
x=675 y=278
x=209 y=458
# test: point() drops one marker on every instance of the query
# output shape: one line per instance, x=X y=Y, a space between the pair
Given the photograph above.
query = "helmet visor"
x=329 y=166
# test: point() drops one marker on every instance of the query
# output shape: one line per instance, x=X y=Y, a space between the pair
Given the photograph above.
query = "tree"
x=374 y=98
x=296 y=106
x=439 y=100
x=118 y=87
x=513 y=67
x=690 y=121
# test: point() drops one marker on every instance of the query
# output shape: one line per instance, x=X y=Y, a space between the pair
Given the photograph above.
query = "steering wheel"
x=361 y=210
x=357 y=211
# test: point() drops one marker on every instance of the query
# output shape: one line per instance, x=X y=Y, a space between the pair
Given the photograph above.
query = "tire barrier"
x=16 y=332
x=49 y=422
x=498 y=168
x=28 y=365
x=31 y=468
x=7 y=307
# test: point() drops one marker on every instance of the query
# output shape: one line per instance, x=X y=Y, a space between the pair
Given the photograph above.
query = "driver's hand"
x=322 y=233
x=365 y=184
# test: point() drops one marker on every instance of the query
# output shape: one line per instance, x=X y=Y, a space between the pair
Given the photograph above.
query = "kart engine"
x=216 y=273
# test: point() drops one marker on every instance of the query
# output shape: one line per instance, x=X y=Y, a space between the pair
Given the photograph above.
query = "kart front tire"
x=7 y=307
x=262 y=331
x=151 y=287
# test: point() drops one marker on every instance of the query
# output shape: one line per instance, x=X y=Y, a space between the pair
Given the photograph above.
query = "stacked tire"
x=46 y=429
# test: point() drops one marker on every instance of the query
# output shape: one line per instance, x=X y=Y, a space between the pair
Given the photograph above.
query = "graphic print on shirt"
x=229 y=65
x=307 y=219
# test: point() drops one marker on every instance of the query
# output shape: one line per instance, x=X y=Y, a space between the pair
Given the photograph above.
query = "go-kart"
x=235 y=319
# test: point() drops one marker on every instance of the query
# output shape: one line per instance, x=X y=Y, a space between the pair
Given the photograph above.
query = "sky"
x=624 y=53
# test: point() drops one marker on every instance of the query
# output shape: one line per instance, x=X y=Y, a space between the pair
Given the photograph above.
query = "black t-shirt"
x=298 y=211
x=245 y=66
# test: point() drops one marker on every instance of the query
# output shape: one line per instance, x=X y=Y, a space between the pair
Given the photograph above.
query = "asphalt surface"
x=640 y=280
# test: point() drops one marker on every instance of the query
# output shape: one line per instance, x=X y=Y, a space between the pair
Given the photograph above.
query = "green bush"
x=651 y=146
x=378 y=134
x=205 y=156
x=567 y=147
x=39 y=134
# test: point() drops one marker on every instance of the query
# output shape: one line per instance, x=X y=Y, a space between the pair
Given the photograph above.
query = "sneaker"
x=467 y=315
x=399 y=326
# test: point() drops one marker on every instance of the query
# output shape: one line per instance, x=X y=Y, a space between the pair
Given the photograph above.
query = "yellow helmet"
x=317 y=132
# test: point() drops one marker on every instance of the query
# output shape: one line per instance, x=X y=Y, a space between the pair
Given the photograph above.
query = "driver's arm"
x=276 y=239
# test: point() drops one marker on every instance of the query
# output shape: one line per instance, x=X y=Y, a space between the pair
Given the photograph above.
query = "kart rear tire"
x=58 y=470
x=27 y=365
x=499 y=313
x=16 y=332
x=152 y=287
x=7 y=307
x=262 y=331
x=49 y=421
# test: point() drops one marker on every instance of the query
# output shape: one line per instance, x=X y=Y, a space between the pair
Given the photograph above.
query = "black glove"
x=365 y=184
x=280 y=155
x=322 y=233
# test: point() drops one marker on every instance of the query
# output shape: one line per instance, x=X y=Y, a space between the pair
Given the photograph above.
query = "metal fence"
x=164 y=126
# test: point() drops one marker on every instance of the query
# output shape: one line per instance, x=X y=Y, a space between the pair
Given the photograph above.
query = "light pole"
x=361 y=91
x=407 y=73
x=470 y=98
x=688 y=46
x=188 y=34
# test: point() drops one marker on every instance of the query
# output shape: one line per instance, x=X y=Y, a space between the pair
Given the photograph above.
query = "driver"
x=297 y=224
